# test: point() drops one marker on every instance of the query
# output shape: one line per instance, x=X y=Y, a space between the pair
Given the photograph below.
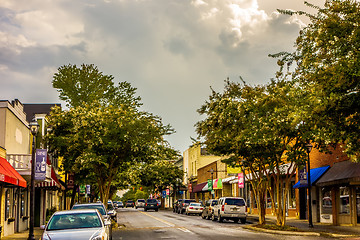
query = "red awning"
x=9 y=175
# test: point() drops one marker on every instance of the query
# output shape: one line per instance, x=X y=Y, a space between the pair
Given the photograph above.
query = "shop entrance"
x=358 y=204
x=303 y=204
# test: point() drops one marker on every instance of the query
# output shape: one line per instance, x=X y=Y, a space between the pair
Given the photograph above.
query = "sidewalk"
x=321 y=228
x=25 y=234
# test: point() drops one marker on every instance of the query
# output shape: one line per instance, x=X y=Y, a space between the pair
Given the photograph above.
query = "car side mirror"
x=42 y=227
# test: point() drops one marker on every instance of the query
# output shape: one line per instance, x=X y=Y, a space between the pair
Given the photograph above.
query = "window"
x=326 y=201
x=292 y=197
x=344 y=200
x=22 y=203
x=7 y=204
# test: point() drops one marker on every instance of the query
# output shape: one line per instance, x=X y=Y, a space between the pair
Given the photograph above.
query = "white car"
x=140 y=203
x=233 y=208
x=194 y=208
x=82 y=224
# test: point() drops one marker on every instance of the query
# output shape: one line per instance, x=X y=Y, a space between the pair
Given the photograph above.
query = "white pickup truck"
x=233 y=208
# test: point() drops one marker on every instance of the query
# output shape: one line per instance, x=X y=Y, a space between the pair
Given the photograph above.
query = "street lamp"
x=212 y=183
x=34 y=128
x=308 y=150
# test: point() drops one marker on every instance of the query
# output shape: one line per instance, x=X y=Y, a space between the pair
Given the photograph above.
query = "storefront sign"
x=241 y=180
x=40 y=164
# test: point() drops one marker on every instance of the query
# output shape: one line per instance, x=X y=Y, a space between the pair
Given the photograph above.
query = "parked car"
x=98 y=205
x=194 y=208
x=233 y=208
x=184 y=204
x=129 y=203
x=77 y=224
x=151 y=203
x=111 y=210
x=176 y=205
x=140 y=203
x=120 y=204
x=207 y=211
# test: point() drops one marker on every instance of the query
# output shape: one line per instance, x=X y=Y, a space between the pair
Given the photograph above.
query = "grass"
x=278 y=228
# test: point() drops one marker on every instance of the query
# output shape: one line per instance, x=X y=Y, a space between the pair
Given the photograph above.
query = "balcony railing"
x=19 y=161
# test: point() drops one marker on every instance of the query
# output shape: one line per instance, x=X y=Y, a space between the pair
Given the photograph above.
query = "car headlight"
x=97 y=236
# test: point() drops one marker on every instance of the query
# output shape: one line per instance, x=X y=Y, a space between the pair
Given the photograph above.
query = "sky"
x=172 y=51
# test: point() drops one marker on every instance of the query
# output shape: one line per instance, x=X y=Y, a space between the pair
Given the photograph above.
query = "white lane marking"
x=184 y=230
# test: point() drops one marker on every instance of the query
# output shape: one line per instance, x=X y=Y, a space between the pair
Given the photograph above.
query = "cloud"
x=172 y=51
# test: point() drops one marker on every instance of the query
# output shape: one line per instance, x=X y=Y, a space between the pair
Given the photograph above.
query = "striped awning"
x=53 y=184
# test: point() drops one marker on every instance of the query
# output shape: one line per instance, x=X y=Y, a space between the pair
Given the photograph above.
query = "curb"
x=282 y=232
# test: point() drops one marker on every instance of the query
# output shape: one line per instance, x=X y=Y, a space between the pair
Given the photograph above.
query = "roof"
x=32 y=109
x=342 y=172
x=315 y=174
x=76 y=211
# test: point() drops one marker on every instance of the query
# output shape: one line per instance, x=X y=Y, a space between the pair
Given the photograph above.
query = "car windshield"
x=235 y=201
x=195 y=204
x=189 y=200
x=100 y=208
x=130 y=201
x=71 y=221
x=151 y=201
x=213 y=203
x=141 y=200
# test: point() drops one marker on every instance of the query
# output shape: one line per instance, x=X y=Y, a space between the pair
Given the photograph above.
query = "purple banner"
x=40 y=164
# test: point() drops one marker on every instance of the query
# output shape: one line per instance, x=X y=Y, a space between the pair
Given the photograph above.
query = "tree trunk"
x=73 y=195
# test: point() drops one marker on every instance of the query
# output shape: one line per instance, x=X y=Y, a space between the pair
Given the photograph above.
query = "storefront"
x=340 y=194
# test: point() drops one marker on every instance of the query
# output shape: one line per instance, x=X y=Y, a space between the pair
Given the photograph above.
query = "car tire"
x=202 y=216
x=236 y=220
x=145 y=210
x=220 y=219
x=156 y=210
x=243 y=220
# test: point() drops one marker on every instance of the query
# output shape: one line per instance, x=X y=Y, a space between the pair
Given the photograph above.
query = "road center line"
x=184 y=230
x=159 y=219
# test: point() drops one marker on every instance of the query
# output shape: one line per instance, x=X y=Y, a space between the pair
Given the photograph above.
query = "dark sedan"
x=151 y=204
x=129 y=203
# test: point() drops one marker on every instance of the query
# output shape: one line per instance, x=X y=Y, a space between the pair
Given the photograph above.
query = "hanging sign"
x=241 y=180
x=40 y=164
x=210 y=185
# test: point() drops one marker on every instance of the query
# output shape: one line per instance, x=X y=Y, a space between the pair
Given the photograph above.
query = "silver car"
x=82 y=224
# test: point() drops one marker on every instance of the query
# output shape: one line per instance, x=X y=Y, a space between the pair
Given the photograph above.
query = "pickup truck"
x=232 y=208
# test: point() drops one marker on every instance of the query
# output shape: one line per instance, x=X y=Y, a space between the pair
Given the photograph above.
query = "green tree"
x=327 y=60
x=261 y=130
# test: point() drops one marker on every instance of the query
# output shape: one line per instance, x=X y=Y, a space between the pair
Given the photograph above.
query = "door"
x=37 y=207
x=303 y=204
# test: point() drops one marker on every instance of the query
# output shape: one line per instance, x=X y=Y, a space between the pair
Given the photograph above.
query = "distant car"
x=194 y=208
x=111 y=210
x=184 y=204
x=207 y=211
x=120 y=204
x=77 y=224
x=233 y=208
x=140 y=203
x=98 y=205
x=129 y=203
x=151 y=204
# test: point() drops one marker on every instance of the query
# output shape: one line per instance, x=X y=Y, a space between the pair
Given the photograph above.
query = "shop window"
x=7 y=204
x=344 y=200
x=326 y=201
x=22 y=203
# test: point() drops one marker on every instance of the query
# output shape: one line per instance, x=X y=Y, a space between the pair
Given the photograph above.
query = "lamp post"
x=34 y=127
x=308 y=150
x=212 y=183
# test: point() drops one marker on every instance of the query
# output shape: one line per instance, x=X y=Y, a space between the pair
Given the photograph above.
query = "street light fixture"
x=308 y=150
x=34 y=128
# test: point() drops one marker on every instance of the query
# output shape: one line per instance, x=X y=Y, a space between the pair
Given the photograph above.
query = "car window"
x=151 y=201
x=71 y=221
x=235 y=201
x=195 y=204
x=189 y=200
x=141 y=200
x=213 y=203
x=100 y=208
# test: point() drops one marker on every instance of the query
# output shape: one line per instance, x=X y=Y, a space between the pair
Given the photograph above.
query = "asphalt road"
x=137 y=224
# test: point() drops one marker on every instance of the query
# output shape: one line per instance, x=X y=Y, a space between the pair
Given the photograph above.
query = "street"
x=137 y=224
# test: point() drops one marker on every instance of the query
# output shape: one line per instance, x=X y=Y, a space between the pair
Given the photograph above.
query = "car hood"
x=78 y=234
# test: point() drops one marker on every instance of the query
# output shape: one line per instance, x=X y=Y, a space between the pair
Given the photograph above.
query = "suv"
x=176 y=205
x=184 y=204
x=140 y=203
x=207 y=211
x=151 y=203
x=233 y=208
x=129 y=203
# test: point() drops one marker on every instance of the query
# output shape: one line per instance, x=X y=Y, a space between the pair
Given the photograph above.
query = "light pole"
x=308 y=150
x=34 y=127
x=212 y=183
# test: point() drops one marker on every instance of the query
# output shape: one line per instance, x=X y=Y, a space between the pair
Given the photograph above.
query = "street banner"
x=164 y=194
x=82 y=189
x=167 y=192
x=303 y=175
x=70 y=181
x=241 y=180
x=190 y=187
x=210 y=185
x=88 y=189
x=40 y=164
